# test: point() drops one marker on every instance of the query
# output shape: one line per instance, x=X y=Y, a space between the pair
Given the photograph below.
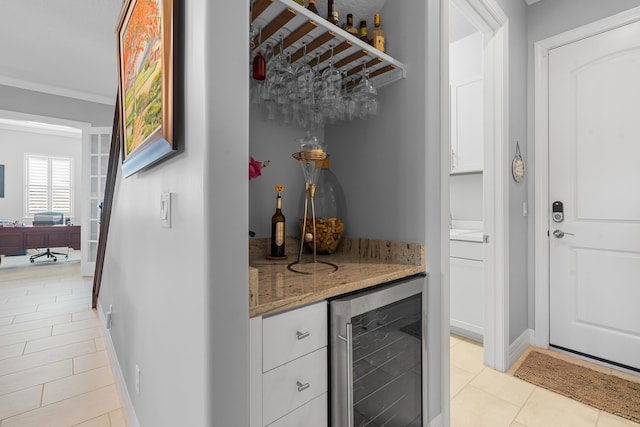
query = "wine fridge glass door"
x=376 y=366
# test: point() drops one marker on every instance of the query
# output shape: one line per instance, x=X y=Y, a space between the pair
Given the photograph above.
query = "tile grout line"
x=524 y=404
x=55 y=361
x=60 y=401
x=41 y=395
x=468 y=384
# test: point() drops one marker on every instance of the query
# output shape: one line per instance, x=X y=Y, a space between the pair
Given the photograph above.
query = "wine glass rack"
x=298 y=26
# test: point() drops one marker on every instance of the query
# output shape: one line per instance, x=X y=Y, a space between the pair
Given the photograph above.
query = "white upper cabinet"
x=466 y=103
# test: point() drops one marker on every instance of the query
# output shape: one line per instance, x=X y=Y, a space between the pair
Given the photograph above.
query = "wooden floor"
x=54 y=368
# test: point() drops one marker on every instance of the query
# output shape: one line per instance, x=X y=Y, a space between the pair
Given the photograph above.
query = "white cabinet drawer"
x=468 y=250
x=293 y=384
x=292 y=334
x=311 y=414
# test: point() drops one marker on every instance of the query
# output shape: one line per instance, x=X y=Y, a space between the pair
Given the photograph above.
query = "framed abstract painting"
x=145 y=82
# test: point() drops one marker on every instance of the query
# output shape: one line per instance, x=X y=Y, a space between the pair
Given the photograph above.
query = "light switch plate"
x=165 y=210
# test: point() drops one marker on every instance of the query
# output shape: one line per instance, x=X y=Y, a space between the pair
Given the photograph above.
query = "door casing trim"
x=541 y=167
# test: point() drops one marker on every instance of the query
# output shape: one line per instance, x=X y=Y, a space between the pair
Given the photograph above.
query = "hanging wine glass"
x=305 y=76
x=351 y=105
x=279 y=73
x=316 y=119
x=365 y=94
x=343 y=104
x=331 y=87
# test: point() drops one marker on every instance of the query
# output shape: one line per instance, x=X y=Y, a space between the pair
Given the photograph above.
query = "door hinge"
x=485 y=238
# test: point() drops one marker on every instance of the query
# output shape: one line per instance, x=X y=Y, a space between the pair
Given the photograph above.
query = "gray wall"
x=518 y=296
x=180 y=295
x=276 y=142
x=546 y=19
x=466 y=196
x=43 y=104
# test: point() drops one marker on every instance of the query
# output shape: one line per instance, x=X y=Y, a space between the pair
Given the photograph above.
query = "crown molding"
x=54 y=90
x=41 y=128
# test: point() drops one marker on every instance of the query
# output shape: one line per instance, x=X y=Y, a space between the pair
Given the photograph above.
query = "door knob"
x=560 y=234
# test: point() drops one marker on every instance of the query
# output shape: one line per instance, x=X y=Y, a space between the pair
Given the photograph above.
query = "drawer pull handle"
x=302 y=387
x=302 y=335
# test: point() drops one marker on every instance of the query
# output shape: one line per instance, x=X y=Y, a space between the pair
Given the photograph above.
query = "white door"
x=96 y=143
x=594 y=149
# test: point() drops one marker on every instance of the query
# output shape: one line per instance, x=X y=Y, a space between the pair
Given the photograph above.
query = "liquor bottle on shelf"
x=312 y=7
x=334 y=19
x=377 y=35
x=363 y=32
x=277 y=227
x=349 y=28
x=332 y=15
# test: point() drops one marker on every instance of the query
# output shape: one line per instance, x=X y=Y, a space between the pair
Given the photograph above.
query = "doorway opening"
x=57 y=137
x=491 y=23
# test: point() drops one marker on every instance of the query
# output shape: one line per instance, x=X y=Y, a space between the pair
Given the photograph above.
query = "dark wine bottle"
x=277 y=227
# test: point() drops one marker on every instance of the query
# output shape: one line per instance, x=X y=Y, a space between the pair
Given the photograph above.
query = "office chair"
x=48 y=218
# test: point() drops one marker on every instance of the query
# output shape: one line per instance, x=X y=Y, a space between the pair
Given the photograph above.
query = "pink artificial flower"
x=255 y=168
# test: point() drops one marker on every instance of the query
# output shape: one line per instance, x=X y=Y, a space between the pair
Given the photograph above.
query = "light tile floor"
x=54 y=367
x=481 y=396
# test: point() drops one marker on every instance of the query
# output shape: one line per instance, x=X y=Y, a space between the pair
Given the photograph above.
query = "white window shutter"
x=49 y=184
x=61 y=185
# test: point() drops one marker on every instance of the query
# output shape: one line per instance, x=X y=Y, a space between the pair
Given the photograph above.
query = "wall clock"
x=517 y=166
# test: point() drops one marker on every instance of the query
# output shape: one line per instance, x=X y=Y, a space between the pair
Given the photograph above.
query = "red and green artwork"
x=142 y=73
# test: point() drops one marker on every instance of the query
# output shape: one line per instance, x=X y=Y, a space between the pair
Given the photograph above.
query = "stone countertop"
x=362 y=263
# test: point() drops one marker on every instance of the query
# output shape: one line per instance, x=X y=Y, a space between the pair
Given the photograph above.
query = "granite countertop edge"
x=363 y=263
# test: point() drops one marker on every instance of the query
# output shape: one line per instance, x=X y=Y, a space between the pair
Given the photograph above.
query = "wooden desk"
x=18 y=239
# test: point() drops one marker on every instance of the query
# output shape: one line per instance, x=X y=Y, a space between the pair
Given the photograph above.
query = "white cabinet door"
x=467 y=302
x=467 y=134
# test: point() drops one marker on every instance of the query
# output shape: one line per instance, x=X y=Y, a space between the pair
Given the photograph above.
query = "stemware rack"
x=298 y=26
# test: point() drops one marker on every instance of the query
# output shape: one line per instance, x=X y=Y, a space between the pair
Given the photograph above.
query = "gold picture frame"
x=145 y=82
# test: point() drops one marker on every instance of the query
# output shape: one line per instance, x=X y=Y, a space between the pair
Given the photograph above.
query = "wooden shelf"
x=299 y=26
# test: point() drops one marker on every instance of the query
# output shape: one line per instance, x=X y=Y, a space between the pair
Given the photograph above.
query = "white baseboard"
x=436 y=422
x=466 y=330
x=122 y=385
x=520 y=345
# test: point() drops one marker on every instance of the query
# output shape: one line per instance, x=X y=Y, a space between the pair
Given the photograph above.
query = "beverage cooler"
x=377 y=341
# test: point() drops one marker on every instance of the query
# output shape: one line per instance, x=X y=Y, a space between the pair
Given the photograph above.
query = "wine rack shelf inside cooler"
x=386 y=358
x=299 y=26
